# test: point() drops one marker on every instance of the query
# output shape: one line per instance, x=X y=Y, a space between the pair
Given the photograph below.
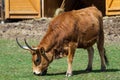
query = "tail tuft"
x=106 y=59
x=58 y=11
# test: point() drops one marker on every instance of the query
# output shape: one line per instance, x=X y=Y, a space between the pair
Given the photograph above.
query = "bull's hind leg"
x=90 y=58
x=102 y=57
x=100 y=46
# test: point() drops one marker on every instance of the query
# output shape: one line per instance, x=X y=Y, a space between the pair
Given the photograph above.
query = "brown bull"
x=66 y=32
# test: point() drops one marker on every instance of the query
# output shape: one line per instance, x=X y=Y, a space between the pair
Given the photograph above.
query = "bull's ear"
x=42 y=50
x=55 y=51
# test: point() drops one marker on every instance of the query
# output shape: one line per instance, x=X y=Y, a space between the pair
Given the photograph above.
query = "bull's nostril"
x=34 y=73
x=44 y=72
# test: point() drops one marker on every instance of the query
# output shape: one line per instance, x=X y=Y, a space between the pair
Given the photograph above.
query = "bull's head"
x=40 y=59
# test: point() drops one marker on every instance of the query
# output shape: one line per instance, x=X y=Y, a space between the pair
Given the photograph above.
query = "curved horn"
x=33 y=49
x=23 y=47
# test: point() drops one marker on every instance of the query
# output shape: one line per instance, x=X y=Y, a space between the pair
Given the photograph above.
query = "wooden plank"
x=0 y=10
x=110 y=3
x=43 y=13
x=22 y=8
x=27 y=16
x=7 y=9
x=23 y=12
x=20 y=5
x=36 y=5
x=113 y=13
x=112 y=7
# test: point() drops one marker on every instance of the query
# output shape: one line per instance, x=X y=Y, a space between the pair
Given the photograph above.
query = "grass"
x=15 y=64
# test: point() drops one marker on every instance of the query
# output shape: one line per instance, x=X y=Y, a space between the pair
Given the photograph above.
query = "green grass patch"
x=15 y=64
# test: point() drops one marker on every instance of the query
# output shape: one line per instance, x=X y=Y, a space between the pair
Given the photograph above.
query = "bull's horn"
x=33 y=49
x=23 y=47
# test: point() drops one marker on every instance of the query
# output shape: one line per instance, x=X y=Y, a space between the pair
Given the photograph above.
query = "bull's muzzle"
x=40 y=73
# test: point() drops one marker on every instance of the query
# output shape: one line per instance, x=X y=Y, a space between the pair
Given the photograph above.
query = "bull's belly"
x=86 y=44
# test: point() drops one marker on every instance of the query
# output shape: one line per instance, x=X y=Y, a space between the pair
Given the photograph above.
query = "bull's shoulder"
x=62 y=20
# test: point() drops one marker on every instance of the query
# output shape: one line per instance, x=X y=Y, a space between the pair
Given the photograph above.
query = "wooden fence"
x=16 y=9
x=22 y=9
x=112 y=7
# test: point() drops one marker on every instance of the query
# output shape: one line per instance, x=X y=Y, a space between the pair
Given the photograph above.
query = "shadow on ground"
x=77 y=72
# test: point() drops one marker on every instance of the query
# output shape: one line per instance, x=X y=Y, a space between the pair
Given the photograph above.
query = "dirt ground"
x=30 y=29
x=35 y=29
x=112 y=29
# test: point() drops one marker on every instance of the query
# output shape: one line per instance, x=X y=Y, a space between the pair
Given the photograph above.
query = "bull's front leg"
x=71 y=51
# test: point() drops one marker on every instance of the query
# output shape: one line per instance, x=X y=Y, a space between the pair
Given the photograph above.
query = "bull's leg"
x=102 y=57
x=100 y=46
x=69 y=69
x=71 y=51
x=90 y=58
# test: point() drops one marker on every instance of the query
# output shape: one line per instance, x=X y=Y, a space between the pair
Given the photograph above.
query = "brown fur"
x=68 y=31
x=81 y=26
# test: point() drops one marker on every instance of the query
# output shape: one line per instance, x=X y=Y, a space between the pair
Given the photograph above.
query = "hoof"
x=103 y=69
x=68 y=74
x=88 y=70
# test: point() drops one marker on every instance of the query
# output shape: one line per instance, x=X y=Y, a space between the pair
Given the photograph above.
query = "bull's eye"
x=37 y=60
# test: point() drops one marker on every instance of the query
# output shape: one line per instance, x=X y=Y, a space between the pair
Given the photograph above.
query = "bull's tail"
x=105 y=57
x=101 y=48
x=58 y=11
x=100 y=44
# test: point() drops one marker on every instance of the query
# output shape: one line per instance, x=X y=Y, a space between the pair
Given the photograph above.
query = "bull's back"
x=88 y=23
x=81 y=26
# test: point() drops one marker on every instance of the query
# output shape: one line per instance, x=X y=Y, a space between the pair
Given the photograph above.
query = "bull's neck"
x=48 y=41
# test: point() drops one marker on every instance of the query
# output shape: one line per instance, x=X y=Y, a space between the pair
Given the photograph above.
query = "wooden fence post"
x=2 y=12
